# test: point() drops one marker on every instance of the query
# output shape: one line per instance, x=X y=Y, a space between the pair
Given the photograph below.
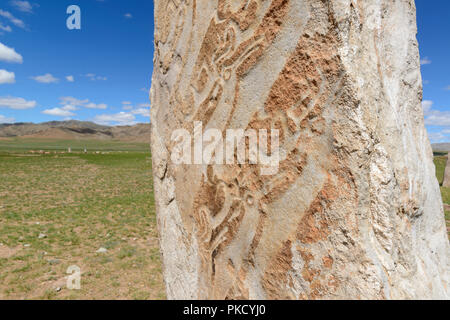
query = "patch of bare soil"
x=6 y=252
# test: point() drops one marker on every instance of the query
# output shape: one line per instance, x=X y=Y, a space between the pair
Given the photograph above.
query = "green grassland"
x=440 y=161
x=58 y=209
x=19 y=145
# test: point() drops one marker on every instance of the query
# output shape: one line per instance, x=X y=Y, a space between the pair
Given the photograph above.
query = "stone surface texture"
x=446 y=182
x=355 y=210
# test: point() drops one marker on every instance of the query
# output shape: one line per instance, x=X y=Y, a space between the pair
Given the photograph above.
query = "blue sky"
x=95 y=69
x=433 y=19
x=102 y=72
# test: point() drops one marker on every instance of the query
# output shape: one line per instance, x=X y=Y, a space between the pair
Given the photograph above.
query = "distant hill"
x=443 y=147
x=76 y=130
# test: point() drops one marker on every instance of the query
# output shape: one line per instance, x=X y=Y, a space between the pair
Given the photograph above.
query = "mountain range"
x=76 y=130
x=442 y=147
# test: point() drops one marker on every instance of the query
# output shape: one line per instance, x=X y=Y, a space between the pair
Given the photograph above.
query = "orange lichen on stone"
x=276 y=275
x=327 y=262
x=314 y=225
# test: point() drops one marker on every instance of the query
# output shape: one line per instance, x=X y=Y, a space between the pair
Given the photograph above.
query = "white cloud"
x=447 y=88
x=437 y=118
x=9 y=54
x=121 y=118
x=7 y=77
x=439 y=136
x=17 y=22
x=426 y=105
x=58 y=112
x=128 y=15
x=425 y=61
x=16 y=103
x=94 y=77
x=23 y=6
x=4 y=119
x=5 y=28
x=73 y=101
x=96 y=106
x=70 y=78
x=65 y=111
x=46 y=78
x=69 y=107
x=142 y=111
x=436 y=137
x=126 y=105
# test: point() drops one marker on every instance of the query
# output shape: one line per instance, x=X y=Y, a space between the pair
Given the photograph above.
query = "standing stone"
x=446 y=182
x=354 y=210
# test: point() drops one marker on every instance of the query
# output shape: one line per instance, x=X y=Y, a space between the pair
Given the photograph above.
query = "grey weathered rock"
x=54 y=261
x=446 y=182
x=354 y=210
